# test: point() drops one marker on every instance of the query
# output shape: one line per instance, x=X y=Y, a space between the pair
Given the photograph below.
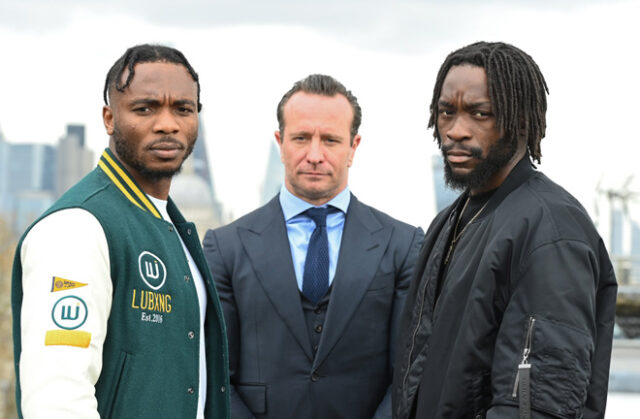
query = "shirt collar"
x=292 y=205
x=161 y=205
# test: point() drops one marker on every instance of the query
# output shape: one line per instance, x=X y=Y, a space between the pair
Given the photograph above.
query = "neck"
x=158 y=189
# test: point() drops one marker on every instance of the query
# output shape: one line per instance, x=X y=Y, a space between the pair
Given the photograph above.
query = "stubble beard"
x=127 y=153
x=498 y=156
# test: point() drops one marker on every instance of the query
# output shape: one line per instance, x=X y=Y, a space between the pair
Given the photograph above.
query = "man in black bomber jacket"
x=511 y=308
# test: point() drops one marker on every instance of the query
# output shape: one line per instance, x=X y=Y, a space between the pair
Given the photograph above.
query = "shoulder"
x=64 y=229
x=364 y=211
x=256 y=220
x=543 y=205
x=90 y=188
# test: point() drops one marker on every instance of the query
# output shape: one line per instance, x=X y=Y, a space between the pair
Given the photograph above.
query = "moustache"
x=472 y=151
x=165 y=141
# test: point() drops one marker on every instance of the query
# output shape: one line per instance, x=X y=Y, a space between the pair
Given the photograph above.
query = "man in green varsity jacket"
x=115 y=311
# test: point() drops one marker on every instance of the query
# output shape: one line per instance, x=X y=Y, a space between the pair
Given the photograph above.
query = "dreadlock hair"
x=517 y=90
x=144 y=53
x=320 y=84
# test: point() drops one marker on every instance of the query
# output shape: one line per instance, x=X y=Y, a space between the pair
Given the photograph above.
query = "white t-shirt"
x=202 y=301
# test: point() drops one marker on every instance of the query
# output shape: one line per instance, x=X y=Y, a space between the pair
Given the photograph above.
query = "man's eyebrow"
x=299 y=134
x=145 y=101
x=475 y=105
x=443 y=102
x=184 y=102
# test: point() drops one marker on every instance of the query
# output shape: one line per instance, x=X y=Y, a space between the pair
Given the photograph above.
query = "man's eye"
x=481 y=114
x=184 y=109
x=445 y=112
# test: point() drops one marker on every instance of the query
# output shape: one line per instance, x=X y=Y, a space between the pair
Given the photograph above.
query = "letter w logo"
x=66 y=313
x=152 y=270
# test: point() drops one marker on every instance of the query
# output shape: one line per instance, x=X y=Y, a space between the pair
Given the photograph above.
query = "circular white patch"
x=152 y=270
x=69 y=312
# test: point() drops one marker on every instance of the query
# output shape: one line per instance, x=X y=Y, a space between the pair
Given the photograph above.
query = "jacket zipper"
x=524 y=363
x=415 y=332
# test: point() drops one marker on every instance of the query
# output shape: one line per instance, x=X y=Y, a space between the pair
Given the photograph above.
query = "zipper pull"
x=524 y=367
x=524 y=390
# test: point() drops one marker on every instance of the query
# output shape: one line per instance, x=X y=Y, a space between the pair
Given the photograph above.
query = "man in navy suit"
x=313 y=283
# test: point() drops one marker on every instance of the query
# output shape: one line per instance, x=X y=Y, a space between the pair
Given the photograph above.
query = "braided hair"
x=517 y=90
x=144 y=53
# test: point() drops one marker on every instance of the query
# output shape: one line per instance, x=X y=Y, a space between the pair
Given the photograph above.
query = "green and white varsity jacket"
x=106 y=319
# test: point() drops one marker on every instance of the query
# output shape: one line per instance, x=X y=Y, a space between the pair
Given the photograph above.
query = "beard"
x=127 y=153
x=498 y=155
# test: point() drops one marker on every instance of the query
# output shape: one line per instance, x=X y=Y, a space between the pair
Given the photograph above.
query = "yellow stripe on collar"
x=115 y=180
x=132 y=186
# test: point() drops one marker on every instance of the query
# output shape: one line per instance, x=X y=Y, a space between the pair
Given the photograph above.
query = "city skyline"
x=249 y=53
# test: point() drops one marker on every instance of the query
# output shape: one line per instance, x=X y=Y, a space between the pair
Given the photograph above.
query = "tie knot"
x=318 y=215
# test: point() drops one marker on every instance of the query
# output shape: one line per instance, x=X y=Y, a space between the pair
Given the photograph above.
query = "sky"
x=55 y=56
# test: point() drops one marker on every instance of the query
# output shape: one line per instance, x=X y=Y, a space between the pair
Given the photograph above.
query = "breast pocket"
x=382 y=281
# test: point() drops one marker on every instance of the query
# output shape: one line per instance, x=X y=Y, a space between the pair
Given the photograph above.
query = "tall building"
x=273 y=176
x=444 y=194
x=192 y=190
x=76 y=131
x=25 y=168
x=32 y=176
x=624 y=246
x=73 y=160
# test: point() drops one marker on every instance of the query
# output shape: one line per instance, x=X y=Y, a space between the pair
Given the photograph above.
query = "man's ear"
x=279 y=142
x=355 y=142
x=107 y=119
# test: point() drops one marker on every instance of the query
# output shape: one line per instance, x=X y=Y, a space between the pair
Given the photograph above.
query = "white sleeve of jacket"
x=65 y=308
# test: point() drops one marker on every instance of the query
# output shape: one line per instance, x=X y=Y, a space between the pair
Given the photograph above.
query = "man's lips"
x=312 y=173
x=458 y=156
x=166 y=149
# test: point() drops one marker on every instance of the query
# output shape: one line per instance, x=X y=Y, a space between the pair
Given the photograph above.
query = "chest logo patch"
x=69 y=312
x=152 y=270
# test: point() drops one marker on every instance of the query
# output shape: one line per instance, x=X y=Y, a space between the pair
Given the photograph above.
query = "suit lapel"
x=364 y=241
x=267 y=246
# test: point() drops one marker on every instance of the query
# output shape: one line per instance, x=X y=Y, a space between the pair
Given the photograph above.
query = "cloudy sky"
x=248 y=53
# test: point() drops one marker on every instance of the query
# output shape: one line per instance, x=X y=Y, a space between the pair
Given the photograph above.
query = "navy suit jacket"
x=274 y=373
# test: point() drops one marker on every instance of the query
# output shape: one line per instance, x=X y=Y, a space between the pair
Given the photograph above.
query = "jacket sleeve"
x=403 y=279
x=67 y=295
x=562 y=306
x=222 y=278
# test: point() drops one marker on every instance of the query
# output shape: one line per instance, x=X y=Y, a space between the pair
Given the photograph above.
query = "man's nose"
x=459 y=129
x=166 y=122
x=315 y=153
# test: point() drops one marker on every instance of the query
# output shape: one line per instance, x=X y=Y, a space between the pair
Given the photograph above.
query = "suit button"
x=186 y=278
x=315 y=377
x=191 y=335
x=222 y=389
x=318 y=328
x=170 y=228
x=190 y=390
x=318 y=310
x=189 y=231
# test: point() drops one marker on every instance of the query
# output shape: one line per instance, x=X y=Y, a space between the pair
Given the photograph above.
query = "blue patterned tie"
x=315 y=280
